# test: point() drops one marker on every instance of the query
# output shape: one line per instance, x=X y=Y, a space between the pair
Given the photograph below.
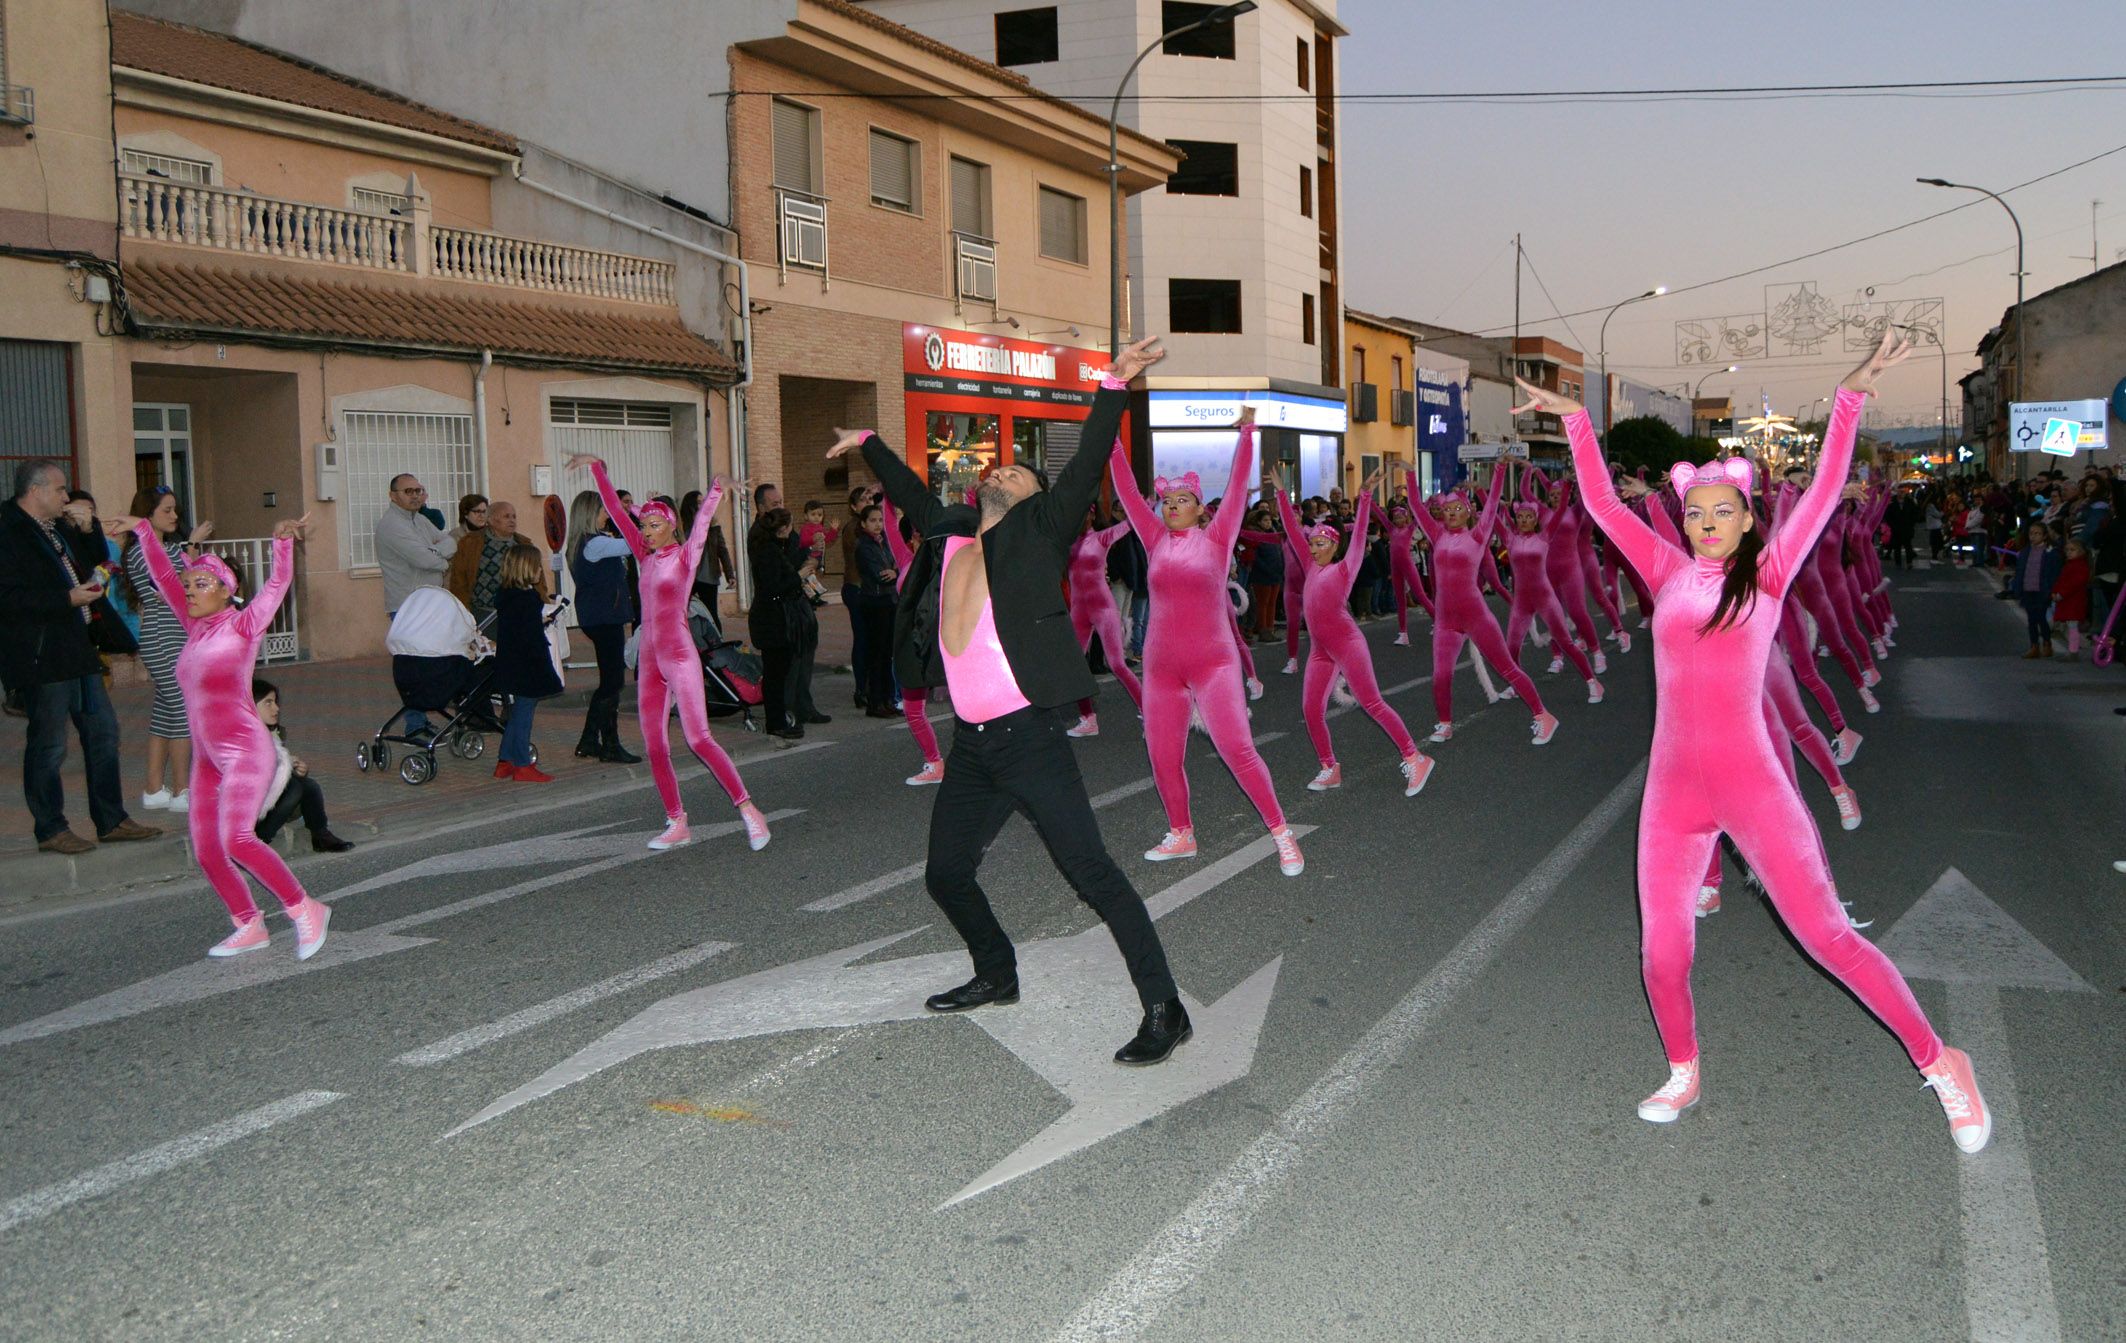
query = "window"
x=1306 y=63
x=1208 y=168
x=1214 y=40
x=797 y=166
x=377 y=445
x=192 y=172
x=613 y=414
x=970 y=198
x=1027 y=37
x=1358 y=363
x=1306 y=318
x=1395 y=364
x=1062 y=225
x=1306 y=192
x=1203 y=305
x=893 y=171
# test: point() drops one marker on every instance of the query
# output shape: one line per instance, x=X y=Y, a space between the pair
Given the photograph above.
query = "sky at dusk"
x=1612 y=200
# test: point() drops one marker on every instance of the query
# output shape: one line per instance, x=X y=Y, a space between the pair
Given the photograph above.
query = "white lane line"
x=157 y=1159
x=788 y=1068
x=2008 y=1295
x=1186 y=1247
x=901 y=876
x=538 y=1014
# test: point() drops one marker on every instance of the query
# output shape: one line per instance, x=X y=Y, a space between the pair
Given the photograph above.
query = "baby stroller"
x=439 y=666
x=730 y=676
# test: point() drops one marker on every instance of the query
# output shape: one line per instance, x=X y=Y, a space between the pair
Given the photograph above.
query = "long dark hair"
x=1738 y=590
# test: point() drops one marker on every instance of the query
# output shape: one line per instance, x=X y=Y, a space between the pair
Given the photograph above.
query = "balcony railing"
x=161 y=210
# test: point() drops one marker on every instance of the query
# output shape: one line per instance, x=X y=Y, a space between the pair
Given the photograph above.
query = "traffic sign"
x=2031 y=425
x=2060 y=436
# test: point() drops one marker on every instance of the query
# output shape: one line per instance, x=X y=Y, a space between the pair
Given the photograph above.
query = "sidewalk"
x=326 y=708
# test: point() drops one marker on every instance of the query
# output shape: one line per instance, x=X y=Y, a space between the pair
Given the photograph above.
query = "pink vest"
x=979 y=679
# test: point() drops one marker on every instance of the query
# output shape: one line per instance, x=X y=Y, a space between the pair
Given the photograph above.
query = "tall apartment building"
x=1238 y=260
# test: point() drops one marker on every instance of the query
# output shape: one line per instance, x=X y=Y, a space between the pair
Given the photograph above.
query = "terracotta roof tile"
x=181 y=52
x=172 y=296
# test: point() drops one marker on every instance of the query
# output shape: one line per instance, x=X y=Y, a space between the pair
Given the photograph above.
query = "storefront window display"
x=962 y=449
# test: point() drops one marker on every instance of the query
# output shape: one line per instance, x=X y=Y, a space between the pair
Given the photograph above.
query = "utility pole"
x=2094 y=250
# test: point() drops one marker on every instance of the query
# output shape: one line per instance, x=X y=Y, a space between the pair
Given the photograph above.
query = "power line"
x=1577 y=342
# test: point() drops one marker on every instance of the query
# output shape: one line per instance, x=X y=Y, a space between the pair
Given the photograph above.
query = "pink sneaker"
x=1870 y=678
x=932 y=772
x=1417 y=768
x=1545 y=726
x=1331 y=776
x=1255 y=688
x=1623 y=641
x=1289 y=860
x=1441 y=732
x=1594 y=692
x=310 y=918
x=1676 y=1096
x=1557 y=664
x=1956 y=1087
x=1291 y=665
x=757 y=835
x=1868 y=700
x=1177 y=844
x=1848 y=808
x=675 y=833
x=1088 y=726
x=1708 y=900
x=1402 y=641
x=250 y=935
x=1845 y=746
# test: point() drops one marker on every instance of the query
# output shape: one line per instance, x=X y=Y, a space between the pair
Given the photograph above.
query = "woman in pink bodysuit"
x=915 y=702
x=1562 y=567
x=1093 y=613
x=1402 y=571
x=1296 y=564
x=1535 y=530
x=1337 y=646
x=1459 y=551
x=668 y=666
x=1189 y=654
x=1713 y=767
x=236 y=773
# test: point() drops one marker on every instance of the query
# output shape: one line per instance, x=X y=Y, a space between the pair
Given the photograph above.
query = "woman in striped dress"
x=162 y=638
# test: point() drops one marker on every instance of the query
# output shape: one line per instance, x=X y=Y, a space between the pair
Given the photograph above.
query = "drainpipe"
x=479 y=411
x=743 y=506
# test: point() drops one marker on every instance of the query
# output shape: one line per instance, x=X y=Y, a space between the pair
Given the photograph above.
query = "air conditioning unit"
x=977 y=270
x=1402 y=407
x=804 y=233
x=1365 y=402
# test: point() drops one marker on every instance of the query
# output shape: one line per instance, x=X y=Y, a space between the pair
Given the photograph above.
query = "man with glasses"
x=412 y=552
x=44 y=603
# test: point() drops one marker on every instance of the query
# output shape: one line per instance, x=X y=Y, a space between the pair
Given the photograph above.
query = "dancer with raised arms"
x=915 y=700
x=1713 y=767
x=668 y=666
x=1093 y=614
x=1528 y=541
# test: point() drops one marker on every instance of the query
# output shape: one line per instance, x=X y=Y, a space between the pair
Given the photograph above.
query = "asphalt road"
x=544 y=1084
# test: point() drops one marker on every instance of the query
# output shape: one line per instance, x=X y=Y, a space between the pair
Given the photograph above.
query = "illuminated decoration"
x=1774 y=440
x=1720 y=340
x=1797 y=320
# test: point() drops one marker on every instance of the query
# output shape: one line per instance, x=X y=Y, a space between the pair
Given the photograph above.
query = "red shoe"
x=1956 y=1084
x=1678 y=1094
x=505 y=770
x=531 y=774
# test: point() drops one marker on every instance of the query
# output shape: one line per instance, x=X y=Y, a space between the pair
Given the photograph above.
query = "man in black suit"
x=1012 y=550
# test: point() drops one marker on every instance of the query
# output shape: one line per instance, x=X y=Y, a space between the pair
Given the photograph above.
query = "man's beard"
x=993 y=499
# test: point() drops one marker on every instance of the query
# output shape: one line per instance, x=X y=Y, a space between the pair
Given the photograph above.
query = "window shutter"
x=892 y=170
x=970 y=198
x=1062 y=226
x=794 y=127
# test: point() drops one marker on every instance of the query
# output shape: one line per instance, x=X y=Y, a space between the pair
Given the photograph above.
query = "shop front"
x=1302 y=437
x=976 y=402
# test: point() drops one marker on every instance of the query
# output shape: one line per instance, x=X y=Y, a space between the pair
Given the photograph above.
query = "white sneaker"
x=1708 y=900
x=1601 y=663
x=1088 y=726
x=1402 y=641
x=1289 y=860
x=1868 y=700
x=1441 y=732
x=181 y=803
x=1646 y=622
x=1557 y=664
x=1254 y=688
x=675 y=834
x=1623 y=642
x=1291 y=665
x=1331 y=776
x=1594 y=692
x=2119 y=865
x=159 y=800
x=1676 y=1095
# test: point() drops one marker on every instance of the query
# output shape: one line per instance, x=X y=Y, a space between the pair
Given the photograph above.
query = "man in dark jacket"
x=1003 y=562
x=44 y=609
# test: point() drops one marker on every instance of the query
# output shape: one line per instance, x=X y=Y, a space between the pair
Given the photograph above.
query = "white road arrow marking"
x=1079 y=997
x=204 y=979
x=1958 y=936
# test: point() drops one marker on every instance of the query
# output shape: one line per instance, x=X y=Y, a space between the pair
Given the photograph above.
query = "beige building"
x=2075 y=350
x=312 y=298
x=1381 y=357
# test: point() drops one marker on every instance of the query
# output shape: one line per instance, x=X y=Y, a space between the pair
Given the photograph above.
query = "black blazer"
x=778 y=593
x=42 y=635
x=1027 y=555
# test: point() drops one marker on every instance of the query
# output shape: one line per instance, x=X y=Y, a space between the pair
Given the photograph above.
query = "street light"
x=1114 y=167
x=1701 y=387
x=1607 y=399
x=1964 y=186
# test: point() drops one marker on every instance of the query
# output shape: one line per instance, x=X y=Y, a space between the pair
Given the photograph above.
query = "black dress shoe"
x=613 y=753
x=882 y=713
x=792 y=733
x=817 y=718
x=977 y=992
x=1165 y=1026
x=324 y=841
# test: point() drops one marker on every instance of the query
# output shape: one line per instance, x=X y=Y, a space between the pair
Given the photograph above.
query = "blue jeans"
x=50 y=706
x=2036 y=607
x=516 y=734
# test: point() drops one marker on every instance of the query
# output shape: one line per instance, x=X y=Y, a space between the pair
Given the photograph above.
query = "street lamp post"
x=1731 y=368
x=1114 y=167
x=1607 y=400
x=1965 y=186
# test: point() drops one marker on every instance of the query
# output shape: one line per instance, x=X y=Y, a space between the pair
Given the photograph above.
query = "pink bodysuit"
x=1189 y=654
x=915 y=701
x=1402 y=572
x=1714 y=766
x=1296 y=564
x=978 y=678
x=235 y=770
x=1092 y=608
x=1532 y=594
x=1335 y=644
x=1459 y=612
x=1561 y=565
x=668 y=666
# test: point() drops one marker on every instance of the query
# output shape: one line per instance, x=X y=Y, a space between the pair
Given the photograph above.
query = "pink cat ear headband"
x=215 y=566
x=1186 y=483
x=1314 y=534
x=1735 y=471
x=661 y=510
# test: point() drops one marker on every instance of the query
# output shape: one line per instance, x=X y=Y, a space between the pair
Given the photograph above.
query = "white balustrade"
x=494 y=258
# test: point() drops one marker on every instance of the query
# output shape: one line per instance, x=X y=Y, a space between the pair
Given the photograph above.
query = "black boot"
x=1165 y=1026
x=324 y=841
x=590 y=745
x=610 y=749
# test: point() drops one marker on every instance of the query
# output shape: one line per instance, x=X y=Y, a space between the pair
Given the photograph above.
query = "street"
x=545 y=1083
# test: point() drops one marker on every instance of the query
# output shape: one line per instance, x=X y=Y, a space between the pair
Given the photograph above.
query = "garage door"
x=633 y=438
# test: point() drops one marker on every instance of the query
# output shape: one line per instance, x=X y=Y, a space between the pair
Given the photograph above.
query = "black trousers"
x=303 y=794
x=1023 y=762
x=873 y=618
x=774 y=687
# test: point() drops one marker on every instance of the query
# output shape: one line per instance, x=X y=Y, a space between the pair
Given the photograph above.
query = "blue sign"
x=2118 y=402
x=1441 y=426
